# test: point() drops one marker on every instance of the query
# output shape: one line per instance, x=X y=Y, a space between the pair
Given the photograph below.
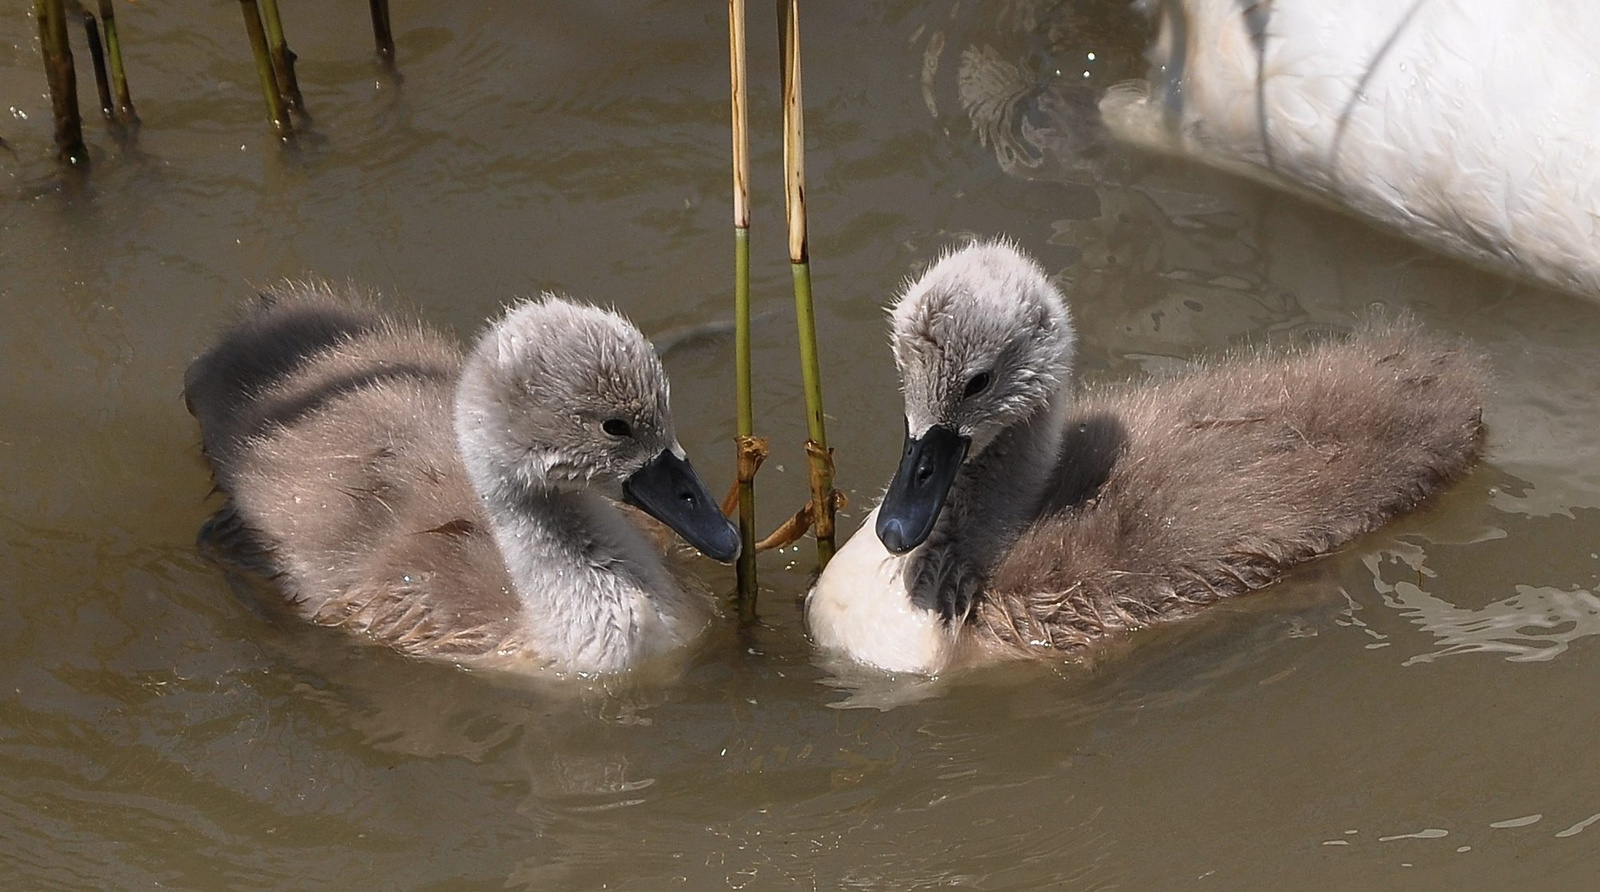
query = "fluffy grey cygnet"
x=1029 y=520
x=460 y=507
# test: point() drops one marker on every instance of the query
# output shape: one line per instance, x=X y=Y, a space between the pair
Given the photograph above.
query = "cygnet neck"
x=596 y=594
x=883 y=609
x=996 y=491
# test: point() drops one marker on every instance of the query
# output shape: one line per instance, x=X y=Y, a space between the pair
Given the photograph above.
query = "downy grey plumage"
x=1028 y=520
x=448 y=506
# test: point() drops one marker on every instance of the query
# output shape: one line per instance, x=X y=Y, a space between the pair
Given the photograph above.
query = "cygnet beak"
x=668 y=489
x=917 y=493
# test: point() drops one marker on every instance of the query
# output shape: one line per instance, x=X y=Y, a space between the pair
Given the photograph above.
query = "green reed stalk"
x=119 y=77
x=283 y=60
x=63 y=81
x=276 y=111
x=749 y=448
x=820 y=457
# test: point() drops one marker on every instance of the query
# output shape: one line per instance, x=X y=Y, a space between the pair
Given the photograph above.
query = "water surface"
x=1416 y=712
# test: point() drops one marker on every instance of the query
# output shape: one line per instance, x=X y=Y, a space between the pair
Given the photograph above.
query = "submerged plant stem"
x=119 y=77
x=283 y=59
x=276 y=112
x=383 y=34
x=97 y=55
x=63 y=81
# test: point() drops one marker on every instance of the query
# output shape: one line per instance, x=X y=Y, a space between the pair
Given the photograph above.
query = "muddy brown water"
x=1416 y=712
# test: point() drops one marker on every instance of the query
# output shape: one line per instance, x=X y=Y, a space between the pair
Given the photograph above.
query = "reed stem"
x=383 y=34
x=63 y=81
x=97 y=56
x=747 y=449
x=119 y=77
x=283 y=60
x=819 y=456
x=276 y=111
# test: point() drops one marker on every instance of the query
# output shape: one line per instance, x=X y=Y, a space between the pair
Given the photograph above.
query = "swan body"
x=1027 y=519
x=1468 y=126
x=450 y=506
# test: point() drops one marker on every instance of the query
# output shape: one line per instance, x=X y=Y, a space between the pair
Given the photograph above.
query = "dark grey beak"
x=918 y=491
x=668 y=490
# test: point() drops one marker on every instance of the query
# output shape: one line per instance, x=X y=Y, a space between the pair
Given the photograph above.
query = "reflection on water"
x=154 y=732
x=1537 y=623
x=1028 y=74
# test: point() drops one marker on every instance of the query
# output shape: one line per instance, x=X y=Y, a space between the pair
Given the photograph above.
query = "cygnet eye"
x=977 y=384
x=616 y=427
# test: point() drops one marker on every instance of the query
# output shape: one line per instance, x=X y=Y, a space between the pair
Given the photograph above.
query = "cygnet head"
x=983 y=341
x=559 y=395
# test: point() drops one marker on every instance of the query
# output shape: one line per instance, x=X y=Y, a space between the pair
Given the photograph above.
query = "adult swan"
x=1468 y=125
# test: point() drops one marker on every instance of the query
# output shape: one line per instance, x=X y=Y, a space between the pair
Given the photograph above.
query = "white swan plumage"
x=1468 y=125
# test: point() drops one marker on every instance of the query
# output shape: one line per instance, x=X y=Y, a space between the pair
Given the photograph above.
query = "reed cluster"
x=287 y=113
x=280 y=89
x=818 y=513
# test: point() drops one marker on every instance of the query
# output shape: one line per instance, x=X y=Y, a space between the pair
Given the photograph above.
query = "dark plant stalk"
x=63 y=81
x=276 y=111
x=119 y=77
x=283 y=60
x=794 y=175
x=97 y=55
x=383 y=34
